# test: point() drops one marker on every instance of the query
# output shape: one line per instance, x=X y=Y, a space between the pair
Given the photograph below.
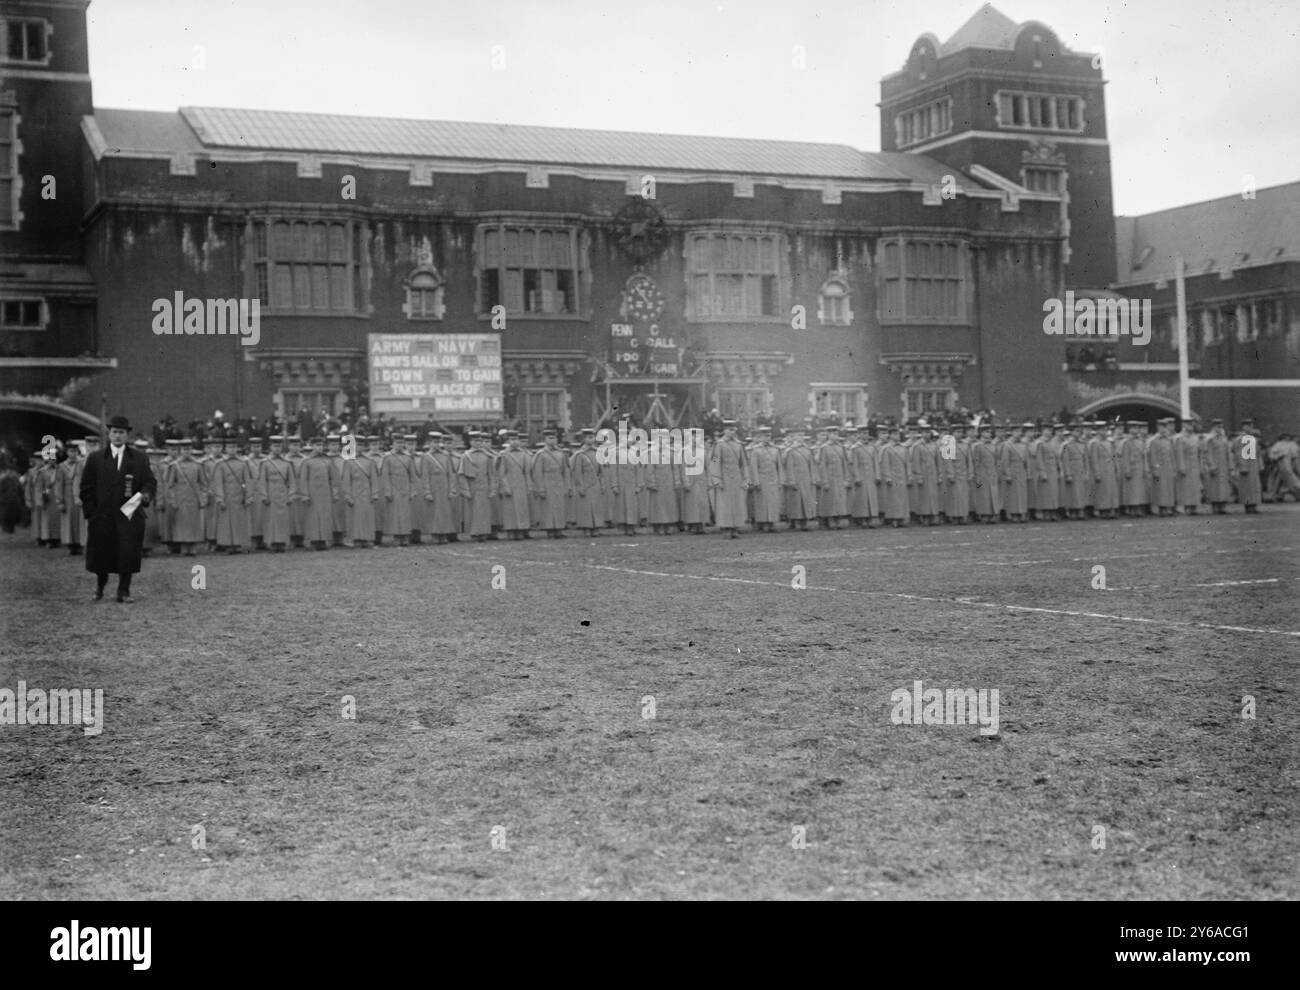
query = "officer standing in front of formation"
x=728 y=477
x=275 y=487
x=1245 y=463
x=548 y=475
x=512 y=488
x=109 y=480
x=68 y=497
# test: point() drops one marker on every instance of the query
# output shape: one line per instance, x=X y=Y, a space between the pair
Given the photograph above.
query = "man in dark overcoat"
x=110 y=479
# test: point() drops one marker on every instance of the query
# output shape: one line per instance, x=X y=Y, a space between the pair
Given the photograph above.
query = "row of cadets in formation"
x=303 y=495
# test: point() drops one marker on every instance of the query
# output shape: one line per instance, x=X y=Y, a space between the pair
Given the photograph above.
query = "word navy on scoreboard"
x=452 y=375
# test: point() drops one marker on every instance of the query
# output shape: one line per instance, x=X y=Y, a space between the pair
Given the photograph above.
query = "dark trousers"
x=123 y=583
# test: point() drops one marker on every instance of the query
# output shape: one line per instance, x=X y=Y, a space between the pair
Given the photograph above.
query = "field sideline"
x=519 y=715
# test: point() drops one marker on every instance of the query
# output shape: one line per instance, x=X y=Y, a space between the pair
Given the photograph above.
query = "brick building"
x=657 y=274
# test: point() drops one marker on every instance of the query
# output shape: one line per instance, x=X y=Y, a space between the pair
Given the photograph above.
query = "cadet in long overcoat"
x=1246 y=456
x=185 y=493
x=512 y=487
x=69 y=499
x=1101 y=467
x=922 y=463
x=230 y=492
x=728 y=480
x=836 y=480
x=318 y=486
x=375 y=451
x=894 y=477
x=213 y=451
x=297 y=506
x=275 y=486
x=767 y=480
x=957 y=477
x=1187 y=465
x=441 y=488
x=1217 y=459
x=625 y=482
x=588 y=485
x=397 y=486
x=801 y=476
x=1133 y=469
x=986 y=490
x=663 y=482
x=1047 y=473
x=1014 y=466
x=1076 y=474
x=1160 y=468
x=478 y=486
x=362 y=490
x=47 y=485
x=548 y=475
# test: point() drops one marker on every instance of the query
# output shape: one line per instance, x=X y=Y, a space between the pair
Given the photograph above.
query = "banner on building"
x=454 y=376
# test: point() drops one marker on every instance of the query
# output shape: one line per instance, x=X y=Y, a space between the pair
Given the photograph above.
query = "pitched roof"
x=1231 y=232
x=987 y=28
x=198 y=129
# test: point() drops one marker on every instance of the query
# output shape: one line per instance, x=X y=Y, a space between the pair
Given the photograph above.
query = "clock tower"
x=1011 y=99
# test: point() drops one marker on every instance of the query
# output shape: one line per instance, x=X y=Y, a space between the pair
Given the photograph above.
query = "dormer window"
x=834 y=308
x=424 y=295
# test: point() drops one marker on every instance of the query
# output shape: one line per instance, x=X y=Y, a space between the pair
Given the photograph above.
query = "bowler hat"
x=119 y=423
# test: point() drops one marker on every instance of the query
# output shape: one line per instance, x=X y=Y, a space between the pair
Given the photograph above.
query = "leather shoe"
x=126 y=599
x=98 y=596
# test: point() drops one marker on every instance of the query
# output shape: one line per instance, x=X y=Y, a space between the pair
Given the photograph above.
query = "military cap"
x=727 y=423
x=1136 y=422
x=1216 y=422
x=93 y=438
x=1165 y=419
x=277 y=437
x=409 y=436
x=435 y=434
x=172 y=442
x=587 y=431
x=763 y=429
x=548 y=432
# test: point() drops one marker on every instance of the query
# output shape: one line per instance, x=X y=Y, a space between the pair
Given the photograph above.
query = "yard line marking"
x=1174 y=623
x=1211 y=584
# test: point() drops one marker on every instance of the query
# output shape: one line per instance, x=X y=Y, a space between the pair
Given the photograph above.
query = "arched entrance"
x=1144 y=406
x=25 y=419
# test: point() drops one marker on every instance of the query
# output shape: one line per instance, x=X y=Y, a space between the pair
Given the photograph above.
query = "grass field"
x=524 y=710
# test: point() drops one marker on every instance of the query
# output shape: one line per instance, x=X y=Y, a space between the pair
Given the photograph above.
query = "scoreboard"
x=455 y=376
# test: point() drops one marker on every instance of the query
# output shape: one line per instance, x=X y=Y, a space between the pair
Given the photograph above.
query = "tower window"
x=24 y=39
x=1039 y=111
x=924 y=122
